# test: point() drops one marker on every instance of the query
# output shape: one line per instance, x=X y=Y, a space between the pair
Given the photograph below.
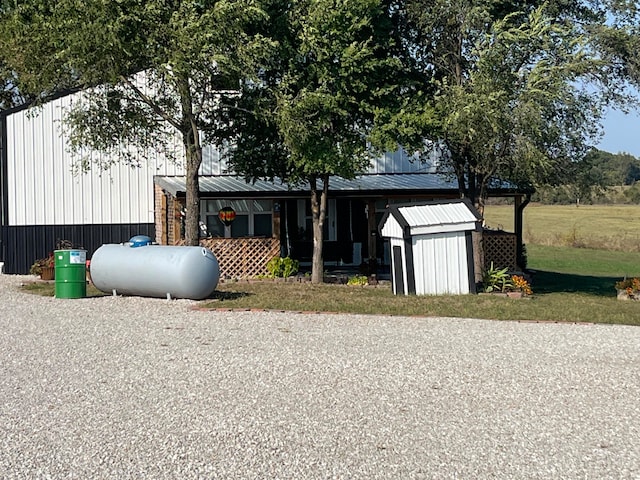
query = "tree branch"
x=154 y=106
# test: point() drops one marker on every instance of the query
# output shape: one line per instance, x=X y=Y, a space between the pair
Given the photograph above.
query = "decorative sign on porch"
x=227 y=215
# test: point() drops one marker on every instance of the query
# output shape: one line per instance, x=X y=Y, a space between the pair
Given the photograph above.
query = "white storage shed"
x=431 y=247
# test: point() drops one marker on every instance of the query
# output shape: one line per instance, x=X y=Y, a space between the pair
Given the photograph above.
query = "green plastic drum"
x=71 y=276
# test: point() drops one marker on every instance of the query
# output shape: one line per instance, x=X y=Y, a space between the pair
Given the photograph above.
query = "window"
x=305 y=222
x=253 y=218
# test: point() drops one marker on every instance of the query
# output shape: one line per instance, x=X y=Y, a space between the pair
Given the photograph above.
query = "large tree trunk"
x=193 y=154
x=318 y=215
x=477 y=237
x=192 y=220
x=468 y=187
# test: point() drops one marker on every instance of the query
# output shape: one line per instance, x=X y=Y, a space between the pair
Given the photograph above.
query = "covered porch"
x=272 y=218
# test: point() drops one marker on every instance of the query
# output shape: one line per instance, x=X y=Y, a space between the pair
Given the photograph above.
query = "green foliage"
x=633 y=193
x=511 y=81
x=614 y=169
x=497 y=280
x=322 y=93
x=358 y=280
x=279 y=267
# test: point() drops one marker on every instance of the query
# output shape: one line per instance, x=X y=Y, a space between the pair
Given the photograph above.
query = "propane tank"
x=155 y=271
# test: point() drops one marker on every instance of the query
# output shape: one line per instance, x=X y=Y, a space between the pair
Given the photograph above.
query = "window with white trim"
x=254 y=218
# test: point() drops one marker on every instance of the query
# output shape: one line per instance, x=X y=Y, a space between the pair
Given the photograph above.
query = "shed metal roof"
x=429 y=217
x=437 y=214
x=363 y=185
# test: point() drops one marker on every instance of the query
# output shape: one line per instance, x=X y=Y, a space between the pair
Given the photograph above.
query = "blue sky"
x=621 y=133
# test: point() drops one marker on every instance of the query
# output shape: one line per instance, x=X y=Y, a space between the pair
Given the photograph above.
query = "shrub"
x=630 y=285
x=358 y=280
x=624 y=284
x=282 y=267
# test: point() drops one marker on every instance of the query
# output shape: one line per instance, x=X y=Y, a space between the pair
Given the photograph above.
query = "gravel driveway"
x=148 y=388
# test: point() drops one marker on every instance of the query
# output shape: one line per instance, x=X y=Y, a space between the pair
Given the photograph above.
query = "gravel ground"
x=149 y=388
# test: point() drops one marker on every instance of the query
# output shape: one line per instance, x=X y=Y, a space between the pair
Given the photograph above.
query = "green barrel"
x=71 y=276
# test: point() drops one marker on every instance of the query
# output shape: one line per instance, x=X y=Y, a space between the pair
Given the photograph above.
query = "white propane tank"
x=155 y=271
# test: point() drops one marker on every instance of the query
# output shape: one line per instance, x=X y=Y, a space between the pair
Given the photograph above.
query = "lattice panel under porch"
x=500 y=248
x=242 y=257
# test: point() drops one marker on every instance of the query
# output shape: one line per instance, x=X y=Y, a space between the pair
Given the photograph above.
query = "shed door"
x=398 y=274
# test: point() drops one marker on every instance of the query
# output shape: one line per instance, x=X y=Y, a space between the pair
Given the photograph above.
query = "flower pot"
x=624 y=295
x=47 y=273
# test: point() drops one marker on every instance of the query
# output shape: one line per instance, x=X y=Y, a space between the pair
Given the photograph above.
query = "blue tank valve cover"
x=140 y=241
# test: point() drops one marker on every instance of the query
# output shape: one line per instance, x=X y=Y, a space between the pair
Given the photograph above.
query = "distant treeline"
x=607 y=178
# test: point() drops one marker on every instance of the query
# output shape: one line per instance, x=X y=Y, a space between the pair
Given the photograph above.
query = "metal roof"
x=429 y=217
x=437 y=214
x=369 y=185
x=363 y=185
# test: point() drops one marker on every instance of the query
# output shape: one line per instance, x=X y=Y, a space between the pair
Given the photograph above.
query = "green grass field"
x=605 y=227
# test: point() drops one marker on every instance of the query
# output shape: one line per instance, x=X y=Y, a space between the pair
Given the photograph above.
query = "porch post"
x=519 y=206
x=373 y=236
x=275 y=225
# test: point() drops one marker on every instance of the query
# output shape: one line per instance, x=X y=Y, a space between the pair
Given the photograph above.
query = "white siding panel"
x=44 y=190
x=440 y=264
x=400 y=161
x=391 y=228
x=212 y=161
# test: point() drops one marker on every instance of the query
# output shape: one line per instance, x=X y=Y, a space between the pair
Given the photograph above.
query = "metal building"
x=431 y=247
x=44 y=198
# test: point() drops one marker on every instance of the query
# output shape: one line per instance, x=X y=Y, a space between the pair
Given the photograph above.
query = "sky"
x=621 y=133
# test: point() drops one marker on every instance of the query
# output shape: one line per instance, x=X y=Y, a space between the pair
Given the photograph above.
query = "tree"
x=319 y=100
x=148 y=70
x=512 y=100
x=9 y=93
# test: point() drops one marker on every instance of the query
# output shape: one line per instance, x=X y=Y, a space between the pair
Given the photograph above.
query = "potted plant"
x=44 y=267
x=500 y=281
x=628 y=289
x=520 y=284
x=496 y=280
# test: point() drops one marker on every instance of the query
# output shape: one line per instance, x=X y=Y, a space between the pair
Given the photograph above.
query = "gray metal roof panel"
x=226 y=184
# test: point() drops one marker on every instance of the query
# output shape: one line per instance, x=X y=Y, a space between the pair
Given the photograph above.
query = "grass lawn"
x=566 y=305
x=570 y=284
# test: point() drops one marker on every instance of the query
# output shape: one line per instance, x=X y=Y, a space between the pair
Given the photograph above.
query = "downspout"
x=519 y=213
x=4 y=187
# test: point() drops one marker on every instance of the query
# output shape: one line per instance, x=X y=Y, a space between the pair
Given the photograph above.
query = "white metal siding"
x=440 y=263
x=212 y=162
x=401 y=162
x=391 y=228
x=44 y=191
